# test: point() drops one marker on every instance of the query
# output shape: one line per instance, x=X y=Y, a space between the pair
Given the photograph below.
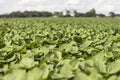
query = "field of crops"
x=60 y=49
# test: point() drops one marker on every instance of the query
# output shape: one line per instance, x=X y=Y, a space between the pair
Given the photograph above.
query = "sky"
x=101 y=6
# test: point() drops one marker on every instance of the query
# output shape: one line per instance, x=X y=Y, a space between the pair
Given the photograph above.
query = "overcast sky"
x=101 y=6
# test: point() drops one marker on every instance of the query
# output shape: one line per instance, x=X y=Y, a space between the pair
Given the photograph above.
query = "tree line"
x=19 y=14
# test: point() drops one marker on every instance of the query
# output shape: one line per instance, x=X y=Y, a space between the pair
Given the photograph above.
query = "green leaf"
x=16 y=74
x=108 y=54
x=90 y=63
x=100 y=65
x=112 y=77
x=82 y=65
x=99 y=62
x=1 y=77
x=45 y=72
x=2 y=44
x=86 y=44
x=118 y=78
x=57 y=76
x=75 y=64
x=28 y=62
x=66 y=70
x=74 y=49
x=34 y=74
x=78 y=39
x=44 y=50
x=81 y=76
x=66 y=47
x=113 y=67
x=94 y=75
x=58 y=55
x=38 y=73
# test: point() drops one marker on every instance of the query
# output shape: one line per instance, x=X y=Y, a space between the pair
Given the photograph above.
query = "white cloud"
x=1 y=1
x=72 y=2
x=101 y=6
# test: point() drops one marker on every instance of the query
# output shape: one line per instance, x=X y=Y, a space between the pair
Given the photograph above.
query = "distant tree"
x=112 y=14
x=100 y=15
x=17 y=14
x=46 y=14
x=57 y=14
x=80 y=15
x=91 y=13
x=31 y=14
x=4 y=16
x=118 y=15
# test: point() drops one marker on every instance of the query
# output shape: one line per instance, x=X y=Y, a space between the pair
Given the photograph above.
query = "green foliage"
x=112 y=14
x=91 y=13
x=60 y=49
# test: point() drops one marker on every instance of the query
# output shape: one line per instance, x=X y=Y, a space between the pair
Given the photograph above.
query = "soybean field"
x=60 y=49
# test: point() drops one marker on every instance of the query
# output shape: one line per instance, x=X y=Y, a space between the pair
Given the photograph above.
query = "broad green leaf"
x=82 y=65
x=58 y=54
x=28 y=62
x=100 y=65
x=94 y=75
x=78 y=39
x=16 y=74
x=66 y=70
x=34 y=74
x=45 y=72
x=75 y=64
x=112 y=77
x=44 y=50
x=99 y=62
x=86 y=44
x=57 y=76
x=38 y=73
x=108 y=54
x=90 y=63
x=74 y=49
x=1 y=77
x=81 y=76
x=113 y=67
x=118 y=78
